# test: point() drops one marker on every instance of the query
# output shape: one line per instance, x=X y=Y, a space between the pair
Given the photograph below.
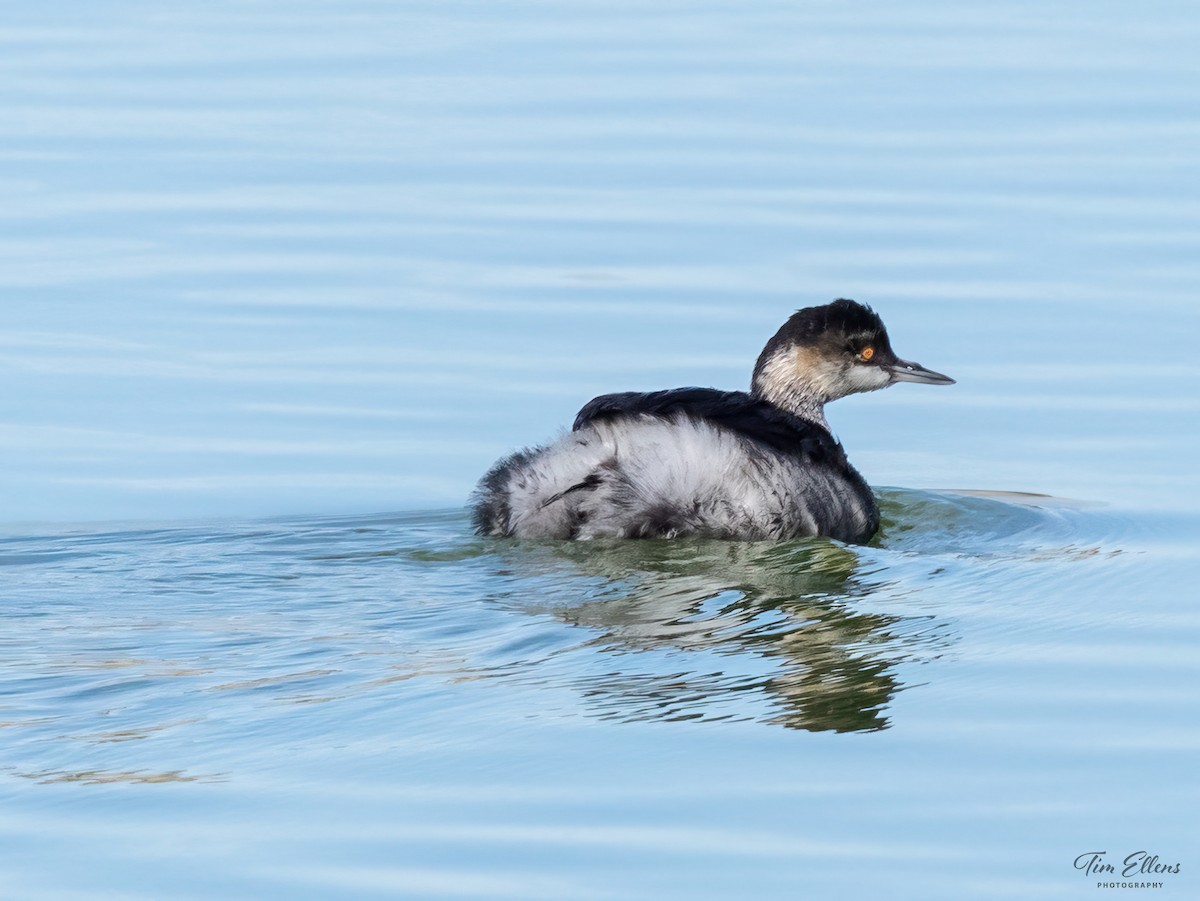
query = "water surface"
x=389 y=705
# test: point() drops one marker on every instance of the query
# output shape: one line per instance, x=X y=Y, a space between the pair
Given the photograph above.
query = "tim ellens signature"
x=1139 y=863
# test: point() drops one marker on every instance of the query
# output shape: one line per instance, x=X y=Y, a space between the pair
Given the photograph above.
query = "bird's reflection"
x=724 y=630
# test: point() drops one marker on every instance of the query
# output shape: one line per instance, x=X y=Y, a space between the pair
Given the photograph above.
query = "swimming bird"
x=701 y=462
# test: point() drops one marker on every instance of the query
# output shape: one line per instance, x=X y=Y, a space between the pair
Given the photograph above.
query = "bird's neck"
x=804 y=406
x=775 y=382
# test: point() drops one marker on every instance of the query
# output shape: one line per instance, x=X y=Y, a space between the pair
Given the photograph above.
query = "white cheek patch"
x=829 y=379
x=801 y=372
x=866 y=378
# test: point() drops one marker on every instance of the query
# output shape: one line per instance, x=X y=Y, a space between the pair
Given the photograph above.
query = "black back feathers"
x=735 y=411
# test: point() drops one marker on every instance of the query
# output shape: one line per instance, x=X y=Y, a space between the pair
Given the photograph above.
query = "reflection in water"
x=105 y=777
x=807 y=634
x=730 y=621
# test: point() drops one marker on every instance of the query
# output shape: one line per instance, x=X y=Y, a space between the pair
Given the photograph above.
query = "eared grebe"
x=709 y=463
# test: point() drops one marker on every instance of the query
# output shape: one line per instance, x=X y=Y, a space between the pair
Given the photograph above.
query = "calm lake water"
x=270 y=269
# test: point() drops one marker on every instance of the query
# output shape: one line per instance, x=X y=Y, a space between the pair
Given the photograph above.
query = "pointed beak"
x=904 y=371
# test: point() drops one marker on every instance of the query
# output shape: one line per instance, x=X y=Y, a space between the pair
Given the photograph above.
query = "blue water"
x=281 y=280
x=389 y=706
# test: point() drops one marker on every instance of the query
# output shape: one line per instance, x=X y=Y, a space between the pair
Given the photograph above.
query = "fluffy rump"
x=529 y=493
x=490 y=508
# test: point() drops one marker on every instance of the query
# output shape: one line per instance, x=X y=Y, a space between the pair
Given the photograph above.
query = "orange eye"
x=866 y=353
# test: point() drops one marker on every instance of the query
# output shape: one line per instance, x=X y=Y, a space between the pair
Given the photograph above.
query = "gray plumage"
x=706 y=463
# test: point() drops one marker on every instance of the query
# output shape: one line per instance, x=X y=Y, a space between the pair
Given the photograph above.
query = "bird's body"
x=692 y=461
x=707 y=463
